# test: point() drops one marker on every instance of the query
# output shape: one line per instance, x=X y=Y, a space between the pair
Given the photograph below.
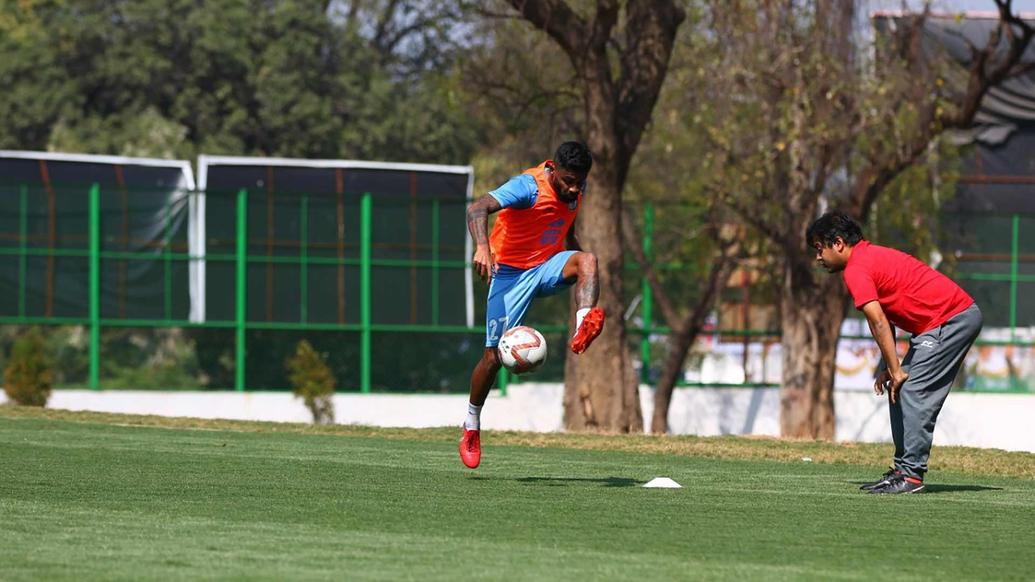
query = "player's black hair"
x=574 y=156
x=831 y=226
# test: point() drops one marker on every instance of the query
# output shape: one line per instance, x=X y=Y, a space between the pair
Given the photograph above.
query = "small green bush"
x=313 y=381
x=29 y=373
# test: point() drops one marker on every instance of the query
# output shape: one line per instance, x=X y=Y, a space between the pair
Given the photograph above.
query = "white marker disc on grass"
x=662 y=483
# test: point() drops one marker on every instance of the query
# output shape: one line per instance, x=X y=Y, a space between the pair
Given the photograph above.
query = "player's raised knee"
x=587 y=262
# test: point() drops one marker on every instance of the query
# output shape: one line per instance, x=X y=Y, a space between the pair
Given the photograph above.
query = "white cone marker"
x=662 y=483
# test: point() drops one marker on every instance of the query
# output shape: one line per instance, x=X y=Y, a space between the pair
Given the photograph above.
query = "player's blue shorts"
x=512 y=290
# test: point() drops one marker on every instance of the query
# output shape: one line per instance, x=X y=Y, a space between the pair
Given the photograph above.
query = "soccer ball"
x=522 y=349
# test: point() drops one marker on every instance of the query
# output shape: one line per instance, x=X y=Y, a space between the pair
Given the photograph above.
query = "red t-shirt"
x=914 y=297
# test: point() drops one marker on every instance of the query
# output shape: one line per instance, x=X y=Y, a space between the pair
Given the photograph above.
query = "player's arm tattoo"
x=478 y=218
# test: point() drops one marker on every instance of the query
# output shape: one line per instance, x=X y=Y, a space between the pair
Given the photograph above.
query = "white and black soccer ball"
x=522 y=349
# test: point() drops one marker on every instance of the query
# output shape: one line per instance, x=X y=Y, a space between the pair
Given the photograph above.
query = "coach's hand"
x=484 y=262
x=891 y=381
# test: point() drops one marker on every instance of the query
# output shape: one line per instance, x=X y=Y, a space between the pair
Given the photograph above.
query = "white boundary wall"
x=1000 y=421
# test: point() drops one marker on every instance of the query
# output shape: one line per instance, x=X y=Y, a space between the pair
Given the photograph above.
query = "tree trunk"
x=684 y=333
x=811 y=312
x=619 y=88
x=678 y=346
x=601 y=391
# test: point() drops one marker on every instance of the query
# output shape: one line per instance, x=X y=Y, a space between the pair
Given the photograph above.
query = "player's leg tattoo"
x=587 y=287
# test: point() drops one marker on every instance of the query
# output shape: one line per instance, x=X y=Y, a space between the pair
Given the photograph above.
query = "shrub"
x=313 y=381
x=28 y=375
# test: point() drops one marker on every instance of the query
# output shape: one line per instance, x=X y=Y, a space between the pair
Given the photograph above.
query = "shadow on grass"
x=562 y=481
x=941 y=488
x=936 y=488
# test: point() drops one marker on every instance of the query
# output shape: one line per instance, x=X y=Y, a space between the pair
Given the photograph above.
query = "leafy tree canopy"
x=250 y=77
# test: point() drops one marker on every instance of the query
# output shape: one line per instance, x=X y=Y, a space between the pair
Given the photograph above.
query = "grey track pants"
x=933 y=359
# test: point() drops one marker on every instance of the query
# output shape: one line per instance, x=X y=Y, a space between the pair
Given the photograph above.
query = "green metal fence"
x=376 y=341
x=57 y=253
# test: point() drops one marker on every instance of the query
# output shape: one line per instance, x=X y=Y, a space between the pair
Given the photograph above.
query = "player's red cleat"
x=591 y=327
x=471 y=448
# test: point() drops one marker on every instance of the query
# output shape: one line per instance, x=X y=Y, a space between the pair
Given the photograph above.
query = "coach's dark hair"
x=831 y=226
x=574 y=156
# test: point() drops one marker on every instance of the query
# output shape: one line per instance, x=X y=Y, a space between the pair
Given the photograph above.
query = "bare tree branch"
x=683 y=330
x=632 y=240
x=756 y=220
x=383 y=21
x=985 y=72
x=558 y=20
x=650 y=28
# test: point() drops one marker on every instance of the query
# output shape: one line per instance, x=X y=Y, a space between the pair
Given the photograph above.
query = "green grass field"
x=89 y=496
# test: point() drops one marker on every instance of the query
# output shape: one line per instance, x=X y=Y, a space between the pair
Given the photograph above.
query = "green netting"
x=304 y=261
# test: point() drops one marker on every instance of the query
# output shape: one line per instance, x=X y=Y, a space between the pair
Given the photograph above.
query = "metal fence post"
x=504 y=380
x=434 y=260
x=1014 y=257
x=167 y=277
x=303 y=246
x=95 y=287
x=241 y=280
x=23 y=240
x=364 y=286
x=648 y=297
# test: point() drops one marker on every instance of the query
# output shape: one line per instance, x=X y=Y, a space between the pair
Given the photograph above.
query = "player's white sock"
x=579 y=316
x=474 y=414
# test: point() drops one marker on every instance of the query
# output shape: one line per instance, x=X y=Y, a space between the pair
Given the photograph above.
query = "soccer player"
x=893 y=288
x=526 y=257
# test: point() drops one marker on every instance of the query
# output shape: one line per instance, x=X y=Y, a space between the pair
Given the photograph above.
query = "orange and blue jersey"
x=528 y=241
x=534 y=221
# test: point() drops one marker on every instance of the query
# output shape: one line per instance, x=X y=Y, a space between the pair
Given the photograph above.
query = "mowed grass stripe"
x=955 y=459
x=441 y=458
x=337 y=554
x=187 y=504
